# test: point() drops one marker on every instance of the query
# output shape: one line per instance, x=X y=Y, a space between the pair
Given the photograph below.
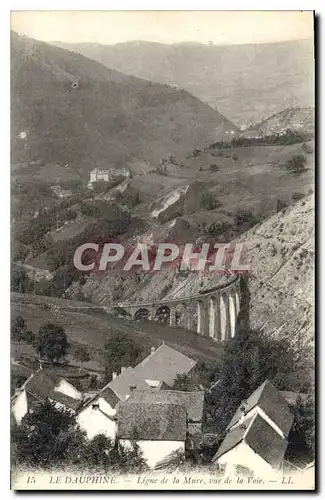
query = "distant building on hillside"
x=107 y=175
x=99 y=175
x=257 y=434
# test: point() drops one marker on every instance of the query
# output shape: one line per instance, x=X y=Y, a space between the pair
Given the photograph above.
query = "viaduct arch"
x=212 y=313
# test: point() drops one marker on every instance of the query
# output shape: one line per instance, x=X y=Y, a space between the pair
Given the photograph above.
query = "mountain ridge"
x=72 y=110
x=273 y=76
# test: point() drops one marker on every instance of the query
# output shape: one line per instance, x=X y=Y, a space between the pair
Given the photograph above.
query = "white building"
x=100 y=175
x=159 y=429
x=257 y=434
x=97 y=416
x=41 y=386
x=107 y=175
x=158 y=370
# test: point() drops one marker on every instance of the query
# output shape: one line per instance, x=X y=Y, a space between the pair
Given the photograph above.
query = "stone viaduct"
x=212 y=313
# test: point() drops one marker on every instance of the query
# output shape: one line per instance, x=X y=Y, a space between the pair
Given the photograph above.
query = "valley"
x=247 y=83
x=162 y=291
x=218 y=184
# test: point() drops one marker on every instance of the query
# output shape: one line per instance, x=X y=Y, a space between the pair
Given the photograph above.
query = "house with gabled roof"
x=43 y=385
x=192 y=401
x=98 y=414
x=256 y=438
x=158 y=370
x=270 y=404
x=159 y=429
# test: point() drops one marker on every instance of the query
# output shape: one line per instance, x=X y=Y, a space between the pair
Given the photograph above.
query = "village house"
x=158 y=370
x=256 y=440
x=98 y=414
x=159 y=429
x=160 y=421
x=41 y=386
x=192 y=401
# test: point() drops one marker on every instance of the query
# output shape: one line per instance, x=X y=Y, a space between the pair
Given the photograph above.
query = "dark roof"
x=193 y=401
x=42 y=385
x=271 y=401
x=266 y=442
x=151 y=421
x=109 y=395
x=261 y=438
x=163 y=365
x=234 y=437
x=106 y=393
x=122 y=383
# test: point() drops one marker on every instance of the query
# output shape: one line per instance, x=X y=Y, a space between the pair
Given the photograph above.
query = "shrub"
x=247 y=360
x=288 y=137
x=273 y=251
x=51 y=342
x=81 y=355
x=121 y=350
x=297 y=196
x=297 y=164
x=209 y=201
x=307 y=148
x=245 y=217
x=280 y=205
x=303 y=427
x=214 y=168
x=196 y=152
x=162 y=169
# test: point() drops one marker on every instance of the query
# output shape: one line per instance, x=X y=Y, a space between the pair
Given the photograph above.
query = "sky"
x=111 y=27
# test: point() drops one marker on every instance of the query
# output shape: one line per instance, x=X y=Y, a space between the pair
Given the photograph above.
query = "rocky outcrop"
x=281 y=278
x=298 y=119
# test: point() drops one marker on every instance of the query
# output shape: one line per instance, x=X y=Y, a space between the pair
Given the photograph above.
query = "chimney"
x=123 y=369
x=153 y=349
x=242 y=413
x=132 y=387
x=114 y=375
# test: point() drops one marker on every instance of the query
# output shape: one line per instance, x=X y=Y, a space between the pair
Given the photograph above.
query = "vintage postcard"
x=162 y=250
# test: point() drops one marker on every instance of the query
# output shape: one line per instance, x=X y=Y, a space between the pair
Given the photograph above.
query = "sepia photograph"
x=162 y=250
